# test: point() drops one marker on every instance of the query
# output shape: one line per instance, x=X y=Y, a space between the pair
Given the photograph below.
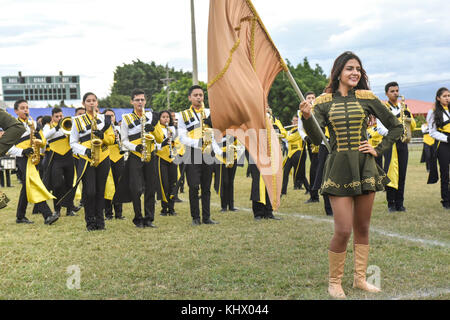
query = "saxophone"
x=230 y=149
x=406 y=122
x=207 y=133
x=96 y=143
x=35 y=144
x=147 y=140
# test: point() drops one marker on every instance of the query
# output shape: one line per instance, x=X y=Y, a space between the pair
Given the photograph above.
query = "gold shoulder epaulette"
x=365 y=94
x=324 y=98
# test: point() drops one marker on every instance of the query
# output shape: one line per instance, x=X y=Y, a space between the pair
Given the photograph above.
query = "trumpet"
x=66 y=125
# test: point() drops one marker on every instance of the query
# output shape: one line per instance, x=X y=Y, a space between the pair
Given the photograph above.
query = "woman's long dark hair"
x=439 y=109
x=338 y=66
x=170 y=117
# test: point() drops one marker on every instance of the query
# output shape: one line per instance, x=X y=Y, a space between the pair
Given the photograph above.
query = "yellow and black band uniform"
x=12 y=129
x=224 y=175
x=427 y=150
x=199 y=165
x=33 y=189
x=167 y=172
x=295 y=159
x=138 y=176
x=116 y=159
x=93 y=177
x=59 y=167
x=313 y=153
x=261 y=205
x=396 y=161
x=440 y=131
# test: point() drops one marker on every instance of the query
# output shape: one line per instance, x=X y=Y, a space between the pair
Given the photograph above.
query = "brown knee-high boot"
x=336 y=267
x=361 y=256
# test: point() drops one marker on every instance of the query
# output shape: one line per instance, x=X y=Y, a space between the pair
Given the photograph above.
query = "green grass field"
x=237 y=259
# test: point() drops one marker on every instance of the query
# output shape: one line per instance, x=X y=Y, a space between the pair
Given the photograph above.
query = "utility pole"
x=166 y=82
x=194 y=47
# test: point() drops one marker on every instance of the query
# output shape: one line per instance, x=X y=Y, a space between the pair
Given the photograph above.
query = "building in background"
x=41 y=88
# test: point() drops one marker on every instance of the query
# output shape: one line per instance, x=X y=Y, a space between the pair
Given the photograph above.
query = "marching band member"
x=116 y=159
x=89 y=138
x=181 y=168
x=296 y=158
x=140 y=131
x=11 y=132
x=261 y=205
x=27 y=153
x=351 y=176
x=428 y=143
x=59 y=167
x=167 y=169
x=225 y=171
x=192 y=127
x=439 y=122
x=313 y=153
x=396 y=159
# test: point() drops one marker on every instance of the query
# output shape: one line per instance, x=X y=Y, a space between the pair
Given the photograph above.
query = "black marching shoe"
x=76 y=208
x=209 y=221
x=258 y=218
x=51 y=219
x=311 y=200
x=91 y=228
x=120 y=217
x=196 y=222
x=223 y=210
x=272 y=217
x=233 y=209
x=108 y=218
x=139 y=225
x=172 y=213
x=391 y=209
x=71 y=213
x=149 y=224
x=24 y=220
x=400 y=209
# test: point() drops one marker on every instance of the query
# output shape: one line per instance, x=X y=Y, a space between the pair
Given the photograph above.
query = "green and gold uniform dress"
x=349 y=172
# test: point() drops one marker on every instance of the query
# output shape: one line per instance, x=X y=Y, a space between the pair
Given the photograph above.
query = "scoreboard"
x=41 y=88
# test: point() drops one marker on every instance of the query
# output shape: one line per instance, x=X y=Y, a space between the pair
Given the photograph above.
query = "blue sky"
x=405 y=41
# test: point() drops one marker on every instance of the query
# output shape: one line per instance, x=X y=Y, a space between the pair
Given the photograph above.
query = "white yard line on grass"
x=373 y=229
x=422 y=294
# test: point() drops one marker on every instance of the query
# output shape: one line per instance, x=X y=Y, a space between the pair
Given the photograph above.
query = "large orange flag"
x=242 y=65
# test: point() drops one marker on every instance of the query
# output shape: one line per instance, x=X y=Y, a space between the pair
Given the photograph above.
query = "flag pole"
x=302 y=98
x=194 y=46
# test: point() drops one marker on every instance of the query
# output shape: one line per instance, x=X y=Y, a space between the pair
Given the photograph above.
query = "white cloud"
x=92 y=38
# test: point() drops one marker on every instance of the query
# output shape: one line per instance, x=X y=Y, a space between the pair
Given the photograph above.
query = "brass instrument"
x=230 y=149
x=207 y=134
x=406 y=122
x=66 y=125
x=96 y=143
x=35 y=143
x=147 y=140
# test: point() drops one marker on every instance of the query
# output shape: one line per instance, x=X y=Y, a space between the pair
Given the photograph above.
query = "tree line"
x=138 y=74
